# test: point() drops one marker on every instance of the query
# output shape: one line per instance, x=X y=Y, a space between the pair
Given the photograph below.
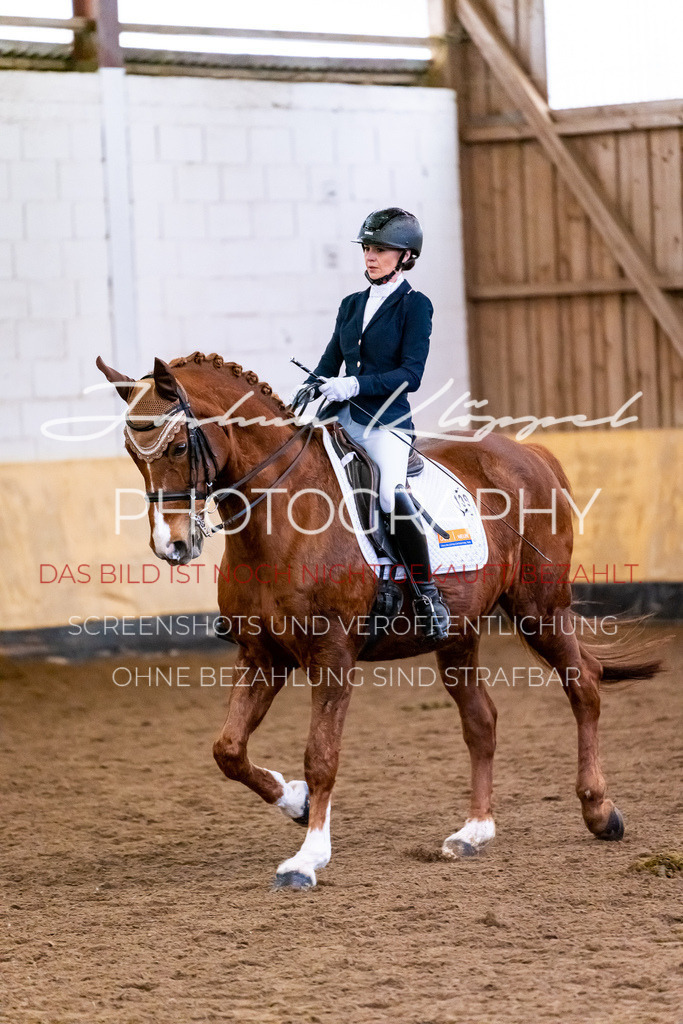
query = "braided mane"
x=236 y=370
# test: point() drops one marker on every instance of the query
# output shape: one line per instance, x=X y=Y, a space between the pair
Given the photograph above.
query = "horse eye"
x=180 y=449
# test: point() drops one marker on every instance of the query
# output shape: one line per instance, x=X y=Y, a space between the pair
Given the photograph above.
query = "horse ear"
x=165 y=382
x=119 y=380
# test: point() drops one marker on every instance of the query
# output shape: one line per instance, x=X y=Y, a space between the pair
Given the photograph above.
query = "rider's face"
x=379 y=261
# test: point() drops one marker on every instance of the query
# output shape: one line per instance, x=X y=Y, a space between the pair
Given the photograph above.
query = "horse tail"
x=627 y=656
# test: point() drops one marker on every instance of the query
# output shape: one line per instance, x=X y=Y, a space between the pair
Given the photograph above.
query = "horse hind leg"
x=478 y=717
x=553 y=637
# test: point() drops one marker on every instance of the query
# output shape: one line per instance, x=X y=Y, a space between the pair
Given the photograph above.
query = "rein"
x=203 y=463
x=307 y=429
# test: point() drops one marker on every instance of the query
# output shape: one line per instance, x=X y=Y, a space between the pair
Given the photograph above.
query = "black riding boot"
x=411 y=544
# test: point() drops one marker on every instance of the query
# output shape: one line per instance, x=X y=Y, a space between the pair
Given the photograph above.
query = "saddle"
x=363 y=476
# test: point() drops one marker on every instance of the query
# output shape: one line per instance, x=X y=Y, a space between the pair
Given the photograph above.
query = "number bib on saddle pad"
x=445 y=499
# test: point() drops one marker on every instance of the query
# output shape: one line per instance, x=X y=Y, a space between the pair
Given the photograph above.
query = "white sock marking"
x=292 y=803
x=476 y=832
x=314 y=854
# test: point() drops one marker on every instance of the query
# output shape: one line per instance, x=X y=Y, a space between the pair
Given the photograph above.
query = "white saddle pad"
x=441 y=493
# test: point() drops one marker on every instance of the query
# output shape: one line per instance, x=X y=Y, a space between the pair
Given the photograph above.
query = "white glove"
x=339 y=389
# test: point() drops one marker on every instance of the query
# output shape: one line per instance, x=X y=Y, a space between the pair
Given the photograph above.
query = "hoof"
x=293 y=880
x=614 y=831
x=457 y=848
x=303 y=818
x=475 y=834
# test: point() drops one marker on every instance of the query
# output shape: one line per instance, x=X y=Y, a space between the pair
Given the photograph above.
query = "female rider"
x=382 y=337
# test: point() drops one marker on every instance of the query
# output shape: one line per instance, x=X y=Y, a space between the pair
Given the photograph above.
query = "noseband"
x=204 y=467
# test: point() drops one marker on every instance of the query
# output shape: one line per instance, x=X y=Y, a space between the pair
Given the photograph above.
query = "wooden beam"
x=75 y=24
x=142 y=62
x=531 y=41
x=84 y=52
x=82 y=22
x=624 y=247
x=560 y=289
x=108 y=44
x=586 y=121
x=36 y=62
x=444 y=33
x=98 y=49
x=275 y=34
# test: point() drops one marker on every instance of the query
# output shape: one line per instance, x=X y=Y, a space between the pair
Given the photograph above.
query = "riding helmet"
x=393 y=228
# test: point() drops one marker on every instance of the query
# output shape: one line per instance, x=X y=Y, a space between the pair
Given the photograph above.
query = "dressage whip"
x=411 y=445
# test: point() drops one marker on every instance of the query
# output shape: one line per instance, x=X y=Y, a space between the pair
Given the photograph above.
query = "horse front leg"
x=330 y=702
x=255 y=686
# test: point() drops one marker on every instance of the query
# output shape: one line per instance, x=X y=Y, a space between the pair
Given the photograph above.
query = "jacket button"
x=359 y=341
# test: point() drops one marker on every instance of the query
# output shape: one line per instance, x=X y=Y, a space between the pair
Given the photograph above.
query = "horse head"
x=172 y=451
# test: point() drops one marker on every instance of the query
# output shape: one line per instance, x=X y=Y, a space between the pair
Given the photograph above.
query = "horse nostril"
x=177 y=551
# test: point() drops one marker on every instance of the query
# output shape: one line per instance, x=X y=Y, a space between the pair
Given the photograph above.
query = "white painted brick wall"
x=11 y=220
x=80 y=179
x=10 y=142
x=245 y=196
x=54 y=300
x=6 y=270
x=225 y=144
x=198 y=183
x=179 y=143
x=33 y=179
x=13 y=301
x=229 y=220
x=45 y=220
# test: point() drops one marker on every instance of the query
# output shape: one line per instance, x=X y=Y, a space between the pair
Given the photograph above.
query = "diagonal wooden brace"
x=624 y=246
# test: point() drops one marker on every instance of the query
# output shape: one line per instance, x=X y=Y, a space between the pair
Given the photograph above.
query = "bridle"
x=208 y=528
x=204 y=466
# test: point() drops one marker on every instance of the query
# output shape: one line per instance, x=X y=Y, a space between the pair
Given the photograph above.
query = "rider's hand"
x=301 y=396
x=339 y=389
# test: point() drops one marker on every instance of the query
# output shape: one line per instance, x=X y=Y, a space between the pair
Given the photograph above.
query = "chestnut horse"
x=260 y=441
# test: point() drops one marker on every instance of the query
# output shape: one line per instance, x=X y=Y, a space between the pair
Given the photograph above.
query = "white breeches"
x=388 y=451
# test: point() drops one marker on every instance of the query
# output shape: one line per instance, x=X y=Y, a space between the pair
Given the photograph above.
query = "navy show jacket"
x=390 y=353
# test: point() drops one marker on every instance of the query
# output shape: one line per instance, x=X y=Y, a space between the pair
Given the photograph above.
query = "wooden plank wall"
x=555 y=327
